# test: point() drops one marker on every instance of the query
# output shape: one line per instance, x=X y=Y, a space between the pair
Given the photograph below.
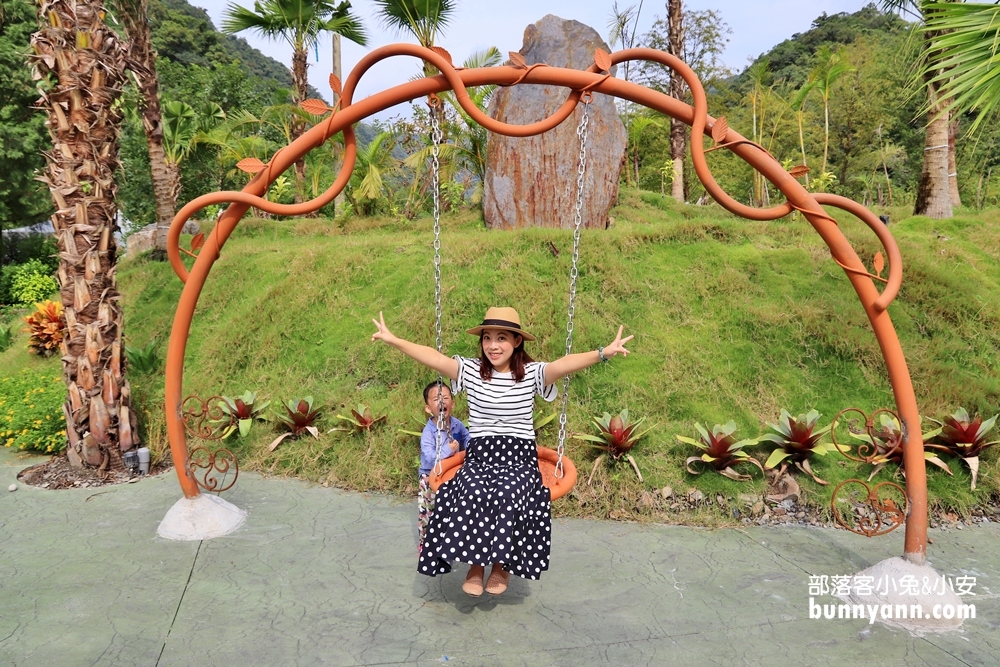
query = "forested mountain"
x=196 y=63
x=791 y=59
x=841 y=98
x=838 y=98
x=185 y=34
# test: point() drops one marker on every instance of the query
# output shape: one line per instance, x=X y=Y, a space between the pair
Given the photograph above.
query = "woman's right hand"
x=383 y=332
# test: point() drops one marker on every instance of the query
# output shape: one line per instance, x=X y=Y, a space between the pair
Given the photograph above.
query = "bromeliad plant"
x=240 y=413
x=798 y=439
x=617 y=437
x=298 y=416
x=720 y=450
x=361 y=420
x=965 y=437
x=888 y=444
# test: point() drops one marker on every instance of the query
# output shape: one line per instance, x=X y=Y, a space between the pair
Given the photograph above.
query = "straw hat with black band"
x=506 y=319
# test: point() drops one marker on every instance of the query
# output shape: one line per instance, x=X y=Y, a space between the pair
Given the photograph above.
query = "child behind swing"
x=437 y=399
x=495 y=513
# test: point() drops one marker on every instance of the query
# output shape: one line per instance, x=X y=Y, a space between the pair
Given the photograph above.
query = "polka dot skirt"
x=495 y=510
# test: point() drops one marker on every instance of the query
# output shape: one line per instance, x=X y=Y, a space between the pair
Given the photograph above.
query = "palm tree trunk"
x=300 y=88
x=826 y=132
x=173 y=174
x=142 y=62
x=338 y=71
x=888 y=181
x=85 y=63
x=933 y=198
x=956 y=197
x=802 y=145
x=678 y=136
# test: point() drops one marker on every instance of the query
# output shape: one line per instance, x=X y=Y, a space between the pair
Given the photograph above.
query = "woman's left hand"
x=618 y=345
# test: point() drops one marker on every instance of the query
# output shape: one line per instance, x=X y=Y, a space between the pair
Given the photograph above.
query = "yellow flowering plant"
x=31 y=415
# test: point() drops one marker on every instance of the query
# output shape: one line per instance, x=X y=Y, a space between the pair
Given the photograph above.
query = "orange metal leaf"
x=335 y=84
x=197 y=241
x=315 y=107
x=879 y=263
x=798 y=171
x=603 y=60
x=719 y=130
x=250 y=165
x=443 y=53
x=517 y=60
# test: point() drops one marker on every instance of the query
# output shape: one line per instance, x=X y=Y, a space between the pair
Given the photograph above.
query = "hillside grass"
x=733 y=320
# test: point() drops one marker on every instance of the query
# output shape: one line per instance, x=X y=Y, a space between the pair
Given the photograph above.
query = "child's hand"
x=453 y=445
x=618 y=345
x=383 y=332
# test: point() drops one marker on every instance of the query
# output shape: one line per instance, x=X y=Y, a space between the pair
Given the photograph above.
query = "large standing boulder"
x=531 y=181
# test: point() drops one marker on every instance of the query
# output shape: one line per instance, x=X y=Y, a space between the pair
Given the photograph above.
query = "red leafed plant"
x=963 y=436
x=299 y=416
x=798 y=439
x=888 y=444
x=361 y=420
x=720 y=450
x=46 y=326
x=617 y=438
x=240 y=413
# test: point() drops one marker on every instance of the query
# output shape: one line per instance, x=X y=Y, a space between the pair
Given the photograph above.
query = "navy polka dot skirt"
x=495 y=510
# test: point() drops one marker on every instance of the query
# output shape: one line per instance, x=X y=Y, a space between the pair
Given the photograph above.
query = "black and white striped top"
x=501 y=406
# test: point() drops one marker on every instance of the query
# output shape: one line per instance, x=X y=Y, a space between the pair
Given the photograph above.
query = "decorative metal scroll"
x=210 y=470
x=869 y=514
x=204 y=419
x=885 y=441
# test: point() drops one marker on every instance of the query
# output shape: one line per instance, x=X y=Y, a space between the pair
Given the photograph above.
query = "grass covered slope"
x=733 y=320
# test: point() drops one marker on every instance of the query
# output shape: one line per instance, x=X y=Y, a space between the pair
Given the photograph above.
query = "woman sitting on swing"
x=496 y=511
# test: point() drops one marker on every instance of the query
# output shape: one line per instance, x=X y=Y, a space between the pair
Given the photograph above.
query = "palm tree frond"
x=486 y=58
x=421 y=18
x=964 y=53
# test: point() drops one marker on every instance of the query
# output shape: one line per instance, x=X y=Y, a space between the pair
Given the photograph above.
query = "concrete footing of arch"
x=200 y=518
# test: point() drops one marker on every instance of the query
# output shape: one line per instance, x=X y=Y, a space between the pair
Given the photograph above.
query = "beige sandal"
x=473 y=585
x=497 y=582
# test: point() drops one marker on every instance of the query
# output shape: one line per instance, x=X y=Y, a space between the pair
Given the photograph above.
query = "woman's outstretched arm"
x=572 y=363
x=427 y=356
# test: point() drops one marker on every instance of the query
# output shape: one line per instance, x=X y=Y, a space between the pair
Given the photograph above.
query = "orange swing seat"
x=547 y=459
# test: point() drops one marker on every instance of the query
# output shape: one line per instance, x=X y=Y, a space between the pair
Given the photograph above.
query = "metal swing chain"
x=581 y=132
x=436 y=137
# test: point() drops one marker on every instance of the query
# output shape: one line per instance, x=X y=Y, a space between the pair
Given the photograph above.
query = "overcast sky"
x=477 y=25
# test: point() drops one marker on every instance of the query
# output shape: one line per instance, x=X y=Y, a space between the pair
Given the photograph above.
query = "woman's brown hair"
x=518 y=359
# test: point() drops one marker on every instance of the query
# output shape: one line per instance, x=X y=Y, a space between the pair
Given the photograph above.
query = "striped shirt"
x=501 y=406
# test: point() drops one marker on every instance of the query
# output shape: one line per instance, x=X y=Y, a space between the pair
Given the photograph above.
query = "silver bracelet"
x=600 y=353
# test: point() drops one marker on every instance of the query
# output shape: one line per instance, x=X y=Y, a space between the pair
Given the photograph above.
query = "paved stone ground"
x=319 y=576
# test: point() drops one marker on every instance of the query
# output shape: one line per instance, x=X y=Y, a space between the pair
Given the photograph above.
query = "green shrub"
x=21 y=248
x=6 y=336
x=142 y=359
x=6 y=278
x=32 y=283
x=31 y=415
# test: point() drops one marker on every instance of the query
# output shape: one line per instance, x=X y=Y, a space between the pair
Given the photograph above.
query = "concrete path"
x=318 y=576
